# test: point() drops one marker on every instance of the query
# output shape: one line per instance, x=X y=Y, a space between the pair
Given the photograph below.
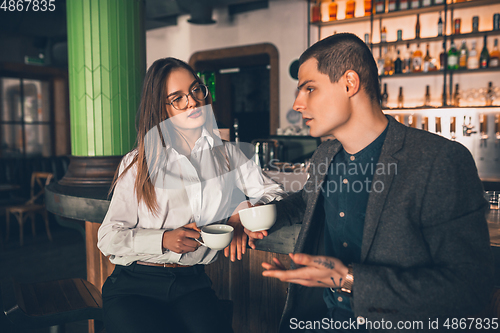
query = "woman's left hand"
x=239 y=243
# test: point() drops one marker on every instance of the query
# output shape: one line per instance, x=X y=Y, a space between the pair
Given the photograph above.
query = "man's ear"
x=352 y=82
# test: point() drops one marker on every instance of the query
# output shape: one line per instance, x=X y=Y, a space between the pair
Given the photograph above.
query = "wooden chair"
x=51 y=304
x=31 y=207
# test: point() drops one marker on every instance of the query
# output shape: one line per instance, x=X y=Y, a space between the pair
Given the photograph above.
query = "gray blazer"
x=425 y=251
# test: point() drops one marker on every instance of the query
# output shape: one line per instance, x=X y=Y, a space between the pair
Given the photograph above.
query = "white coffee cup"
x=258 y=218
x=216 y=236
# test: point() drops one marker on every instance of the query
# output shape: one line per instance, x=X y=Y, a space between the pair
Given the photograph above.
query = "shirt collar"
x=204 y=134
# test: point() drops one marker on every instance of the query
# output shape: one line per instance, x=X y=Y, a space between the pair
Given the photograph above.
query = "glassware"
x=492 y=197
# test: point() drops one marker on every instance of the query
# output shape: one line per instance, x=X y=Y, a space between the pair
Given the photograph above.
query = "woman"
x=180 y=177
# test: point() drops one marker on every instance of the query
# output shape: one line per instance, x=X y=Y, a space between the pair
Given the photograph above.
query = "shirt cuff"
x=148 y=241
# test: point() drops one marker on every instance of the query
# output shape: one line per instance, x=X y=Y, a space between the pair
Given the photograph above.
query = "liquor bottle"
x=385 y=96
x=380 y=6
x=438 y=125
x=381 y=61
x=417 y=27
x=415 y=4
x=316 y=11
x=383 y=35
x=332 y=10
x=350 y=5
x=427 y=59
x=427 y=97
x=456 y=97
x=453 y=56
x=400 y=98
x=404 y=4
x=473 y=61
x=442 y=58
x=484 y=58
x=368 y=7
x=489 y=95
x=463 y=57
x=495 y=55
x=440 y=25
x=426 y=3
x=438 y=2
x=398 y=65
x=417 y=60
x=407 y=59
x=392 y=6
x=425 y=123
x=388 y=63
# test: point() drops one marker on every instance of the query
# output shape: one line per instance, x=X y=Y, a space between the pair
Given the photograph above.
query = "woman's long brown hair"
x=152 y=111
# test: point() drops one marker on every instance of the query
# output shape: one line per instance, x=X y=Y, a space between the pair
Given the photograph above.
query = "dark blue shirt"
x=346 y=188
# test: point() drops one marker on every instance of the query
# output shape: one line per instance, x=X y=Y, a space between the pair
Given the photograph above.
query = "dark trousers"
x=140 y=298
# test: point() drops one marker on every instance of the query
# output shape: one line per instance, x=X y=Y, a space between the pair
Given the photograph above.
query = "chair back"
x=41 y=179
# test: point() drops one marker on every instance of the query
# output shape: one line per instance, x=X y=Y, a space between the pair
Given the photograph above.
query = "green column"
x=106 y=47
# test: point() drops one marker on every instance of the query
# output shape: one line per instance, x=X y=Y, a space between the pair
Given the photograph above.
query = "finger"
x=226 y=252
x=244 y=238
x=190 y=243
x=251 y=243
x=239 y=245
x=233 y=248
x=191 y=233
x=268 y=266
x=278 y=263
x=192 y=226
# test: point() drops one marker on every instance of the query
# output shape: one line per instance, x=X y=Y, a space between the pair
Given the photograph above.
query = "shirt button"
x=352 y=158
x=342 y=214
x=339 y=299
x=345 y=244
x=344 y=181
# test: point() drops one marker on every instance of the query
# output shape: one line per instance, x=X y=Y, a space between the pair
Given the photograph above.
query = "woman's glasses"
x=180 y=101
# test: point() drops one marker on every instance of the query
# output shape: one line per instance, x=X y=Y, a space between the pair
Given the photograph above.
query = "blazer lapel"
x=376 y=201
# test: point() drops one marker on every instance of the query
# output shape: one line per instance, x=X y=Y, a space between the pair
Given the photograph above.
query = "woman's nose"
x=191 y=101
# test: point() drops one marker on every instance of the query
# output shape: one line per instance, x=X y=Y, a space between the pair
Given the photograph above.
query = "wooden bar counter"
x=257 y=301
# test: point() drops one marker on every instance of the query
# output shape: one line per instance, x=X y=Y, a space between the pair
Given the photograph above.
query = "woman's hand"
x=182 y=240
x=239 y=243
x=312 y=271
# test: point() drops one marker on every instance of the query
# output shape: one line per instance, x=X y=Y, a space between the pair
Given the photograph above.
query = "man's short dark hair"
x=342 y=52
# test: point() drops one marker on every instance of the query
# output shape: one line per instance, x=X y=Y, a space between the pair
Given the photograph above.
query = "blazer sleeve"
x=452 y=224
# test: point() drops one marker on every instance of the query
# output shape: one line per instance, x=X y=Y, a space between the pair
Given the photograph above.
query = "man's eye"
x=310 y=89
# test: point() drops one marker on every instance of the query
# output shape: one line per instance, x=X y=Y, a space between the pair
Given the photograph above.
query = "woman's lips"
x=195 y=114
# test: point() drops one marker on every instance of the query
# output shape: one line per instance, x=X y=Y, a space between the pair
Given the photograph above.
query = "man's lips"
x=307 y=119
x=195 y=114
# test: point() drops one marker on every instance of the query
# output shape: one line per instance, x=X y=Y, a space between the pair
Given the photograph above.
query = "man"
x=393 y=218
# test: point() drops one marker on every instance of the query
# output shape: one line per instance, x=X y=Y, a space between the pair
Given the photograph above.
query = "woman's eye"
x=176 y=99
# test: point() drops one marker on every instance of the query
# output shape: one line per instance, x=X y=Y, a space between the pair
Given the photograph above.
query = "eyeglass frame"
x=192 y=95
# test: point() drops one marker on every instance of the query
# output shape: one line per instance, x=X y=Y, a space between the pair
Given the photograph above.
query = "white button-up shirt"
x=192 y=189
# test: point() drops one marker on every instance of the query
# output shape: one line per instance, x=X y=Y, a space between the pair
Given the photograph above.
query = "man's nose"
x=298 y=104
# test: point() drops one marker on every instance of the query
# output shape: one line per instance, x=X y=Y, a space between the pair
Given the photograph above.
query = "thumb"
x=301 y=258
x=192 y=226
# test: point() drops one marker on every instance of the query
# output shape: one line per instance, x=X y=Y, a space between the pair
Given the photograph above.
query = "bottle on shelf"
x=398 y=65
x=473 y=60
x=392 y=6
x=400 y=98
x=417 y=27
x=425 y=123
x=453 y=127
x=383 y=35
x=444 y=96
x=442 y=57
x=453 y=56
x=475 y=24
x=417 y=60
x=404 y=4
x=316 y=11
x=380 y=6
x=427 y=97
x=426 y=3
x=490 y=95
x=332 y=11
x=407 y=59
x=368 y=7
x=388 y=63
x=463 y=57
x=415 y=4
x=367 y=39
x=381 y=61
x=495 y=55
x=350 y=5
x=385 y=97
x=456 y=97
x=456 y=26
x=484 y=57
x=438 y=125
x=440 y=25
x=438 y=2
x=428 y=65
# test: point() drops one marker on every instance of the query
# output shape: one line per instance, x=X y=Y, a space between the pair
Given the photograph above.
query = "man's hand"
x=252 y=236
x=182 y=240
x=312 y=271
